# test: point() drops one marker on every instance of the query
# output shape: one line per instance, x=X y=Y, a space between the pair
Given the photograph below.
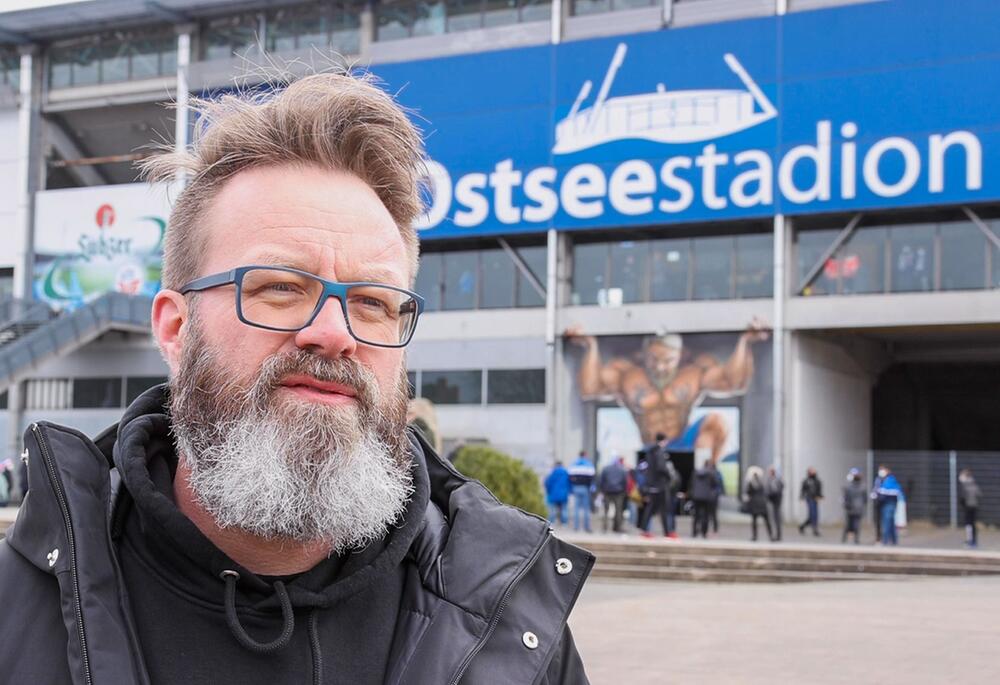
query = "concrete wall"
x=830 y=416
x=9 y=236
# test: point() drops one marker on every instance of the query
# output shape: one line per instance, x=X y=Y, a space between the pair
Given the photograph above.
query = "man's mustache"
x=343 y=371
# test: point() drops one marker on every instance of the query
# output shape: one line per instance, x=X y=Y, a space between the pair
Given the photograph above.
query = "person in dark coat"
x=775 y=488
x=755 y=500
x=969 y=496
x=812 y=493
x=612 y=483
x=720 y=489
x=855 y=499
x=269 y=516
x=704 y=489
x=658 y=477
x=557 y=489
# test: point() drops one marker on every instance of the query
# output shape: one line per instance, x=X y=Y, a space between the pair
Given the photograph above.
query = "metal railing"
x=930 y=483
x=51 y=337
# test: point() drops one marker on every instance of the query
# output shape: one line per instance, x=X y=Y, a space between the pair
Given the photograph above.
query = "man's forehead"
x=306 y=218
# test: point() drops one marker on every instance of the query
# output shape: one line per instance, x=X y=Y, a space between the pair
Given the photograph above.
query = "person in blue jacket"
x=557 y=493
x=887 y=496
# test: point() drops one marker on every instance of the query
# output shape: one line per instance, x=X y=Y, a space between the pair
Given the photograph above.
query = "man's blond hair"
x=332 y=121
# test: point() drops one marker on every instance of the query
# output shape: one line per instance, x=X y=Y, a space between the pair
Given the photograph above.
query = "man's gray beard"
x=279 y=467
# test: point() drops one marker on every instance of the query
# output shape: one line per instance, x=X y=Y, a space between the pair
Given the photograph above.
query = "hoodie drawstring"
x=317 y=653
x=230 y=578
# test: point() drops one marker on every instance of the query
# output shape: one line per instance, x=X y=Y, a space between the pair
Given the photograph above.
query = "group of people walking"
x=651 y=491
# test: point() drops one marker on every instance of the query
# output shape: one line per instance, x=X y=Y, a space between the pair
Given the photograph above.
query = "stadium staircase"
x=733 y=562
x=31 y=334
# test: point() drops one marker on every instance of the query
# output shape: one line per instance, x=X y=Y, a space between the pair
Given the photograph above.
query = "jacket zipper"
x=495 y=620
x=61 y=497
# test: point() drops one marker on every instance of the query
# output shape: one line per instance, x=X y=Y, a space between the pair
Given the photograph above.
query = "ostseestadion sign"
x=872 y=106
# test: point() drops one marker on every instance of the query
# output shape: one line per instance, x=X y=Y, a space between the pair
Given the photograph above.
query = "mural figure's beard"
x=269 y=463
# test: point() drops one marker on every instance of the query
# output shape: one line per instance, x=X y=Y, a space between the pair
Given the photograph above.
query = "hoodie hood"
x=145 y=456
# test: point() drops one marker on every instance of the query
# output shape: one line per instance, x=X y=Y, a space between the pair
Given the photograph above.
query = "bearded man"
x=268 y=517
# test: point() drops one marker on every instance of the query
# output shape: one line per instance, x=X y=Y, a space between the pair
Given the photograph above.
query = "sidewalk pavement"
x=928 y=630
x=735 y=527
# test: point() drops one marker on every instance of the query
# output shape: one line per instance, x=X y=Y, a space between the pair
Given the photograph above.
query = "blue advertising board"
x=885 y=104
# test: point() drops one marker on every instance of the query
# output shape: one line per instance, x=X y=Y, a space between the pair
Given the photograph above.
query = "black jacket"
x=704 y=486
x=756 y=497
x=613 y=479
x=479 y=577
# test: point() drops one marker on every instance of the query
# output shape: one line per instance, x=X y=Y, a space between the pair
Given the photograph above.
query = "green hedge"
x=507 y=478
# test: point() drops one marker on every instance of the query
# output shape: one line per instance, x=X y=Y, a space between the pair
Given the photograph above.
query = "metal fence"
x=930 y=483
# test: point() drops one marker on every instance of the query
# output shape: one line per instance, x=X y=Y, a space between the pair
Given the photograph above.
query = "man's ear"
x=170 y=314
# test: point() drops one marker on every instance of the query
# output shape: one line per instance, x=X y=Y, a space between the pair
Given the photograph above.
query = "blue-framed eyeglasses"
x=279 y=298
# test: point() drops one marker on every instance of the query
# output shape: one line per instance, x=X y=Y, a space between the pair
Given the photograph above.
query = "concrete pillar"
x=560 y=10
x=668 y=12
x=552 y=340
x=366 y=31
x=30 y=173
x=30 y=179
x=182 y=124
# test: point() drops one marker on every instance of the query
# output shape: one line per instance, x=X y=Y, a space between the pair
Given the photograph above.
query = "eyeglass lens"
x=286 y=300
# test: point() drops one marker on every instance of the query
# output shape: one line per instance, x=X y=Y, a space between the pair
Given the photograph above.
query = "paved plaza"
x=914 y=631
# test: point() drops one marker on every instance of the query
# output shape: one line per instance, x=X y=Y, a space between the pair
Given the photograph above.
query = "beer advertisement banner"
x=90 y=241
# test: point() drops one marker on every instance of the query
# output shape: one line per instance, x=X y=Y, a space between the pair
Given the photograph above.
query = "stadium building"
x=767 y=228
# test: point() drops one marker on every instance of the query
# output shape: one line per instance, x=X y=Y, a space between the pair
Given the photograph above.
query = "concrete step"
x=657 y=549
x=794 y=563
x=728 y=575
x=729 y=561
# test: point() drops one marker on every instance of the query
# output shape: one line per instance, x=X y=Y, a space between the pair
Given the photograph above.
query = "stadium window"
x=408 y=18
x=114 y=60
x=810 y=246
x=224 y=37
x=590 y=266
x=755 y=265
x=428 y=283
x=460 y=279
x=963 y=256
x=113 y=57
x=537 y=259
x=584 y=7
x=628 y=269
x=713 y=268
x=452 y=387
x=97 y=393
x=136 y=385
x=499 y=277
x=670 y=264
x=10 y=68
x=3 y=400
x=329 y=26
x=6 y=283
x=515 y=386
x=912 y=258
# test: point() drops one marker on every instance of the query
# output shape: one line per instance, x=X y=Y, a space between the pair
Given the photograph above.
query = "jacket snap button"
x=53 y=557
x=563 y=566
x=530 y=640
x=24 y=455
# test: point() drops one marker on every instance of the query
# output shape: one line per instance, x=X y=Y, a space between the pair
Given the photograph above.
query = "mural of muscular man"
x=661 y=393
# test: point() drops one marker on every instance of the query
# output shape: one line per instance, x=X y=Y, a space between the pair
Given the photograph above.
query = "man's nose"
x=328 y=334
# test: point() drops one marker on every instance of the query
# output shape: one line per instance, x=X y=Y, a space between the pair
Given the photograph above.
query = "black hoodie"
x=103 y=582
x=344 y=609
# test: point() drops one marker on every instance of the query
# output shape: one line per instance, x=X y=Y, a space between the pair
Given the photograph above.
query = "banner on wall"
x=90 y=241
x=877 y=105
x=701 y=390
